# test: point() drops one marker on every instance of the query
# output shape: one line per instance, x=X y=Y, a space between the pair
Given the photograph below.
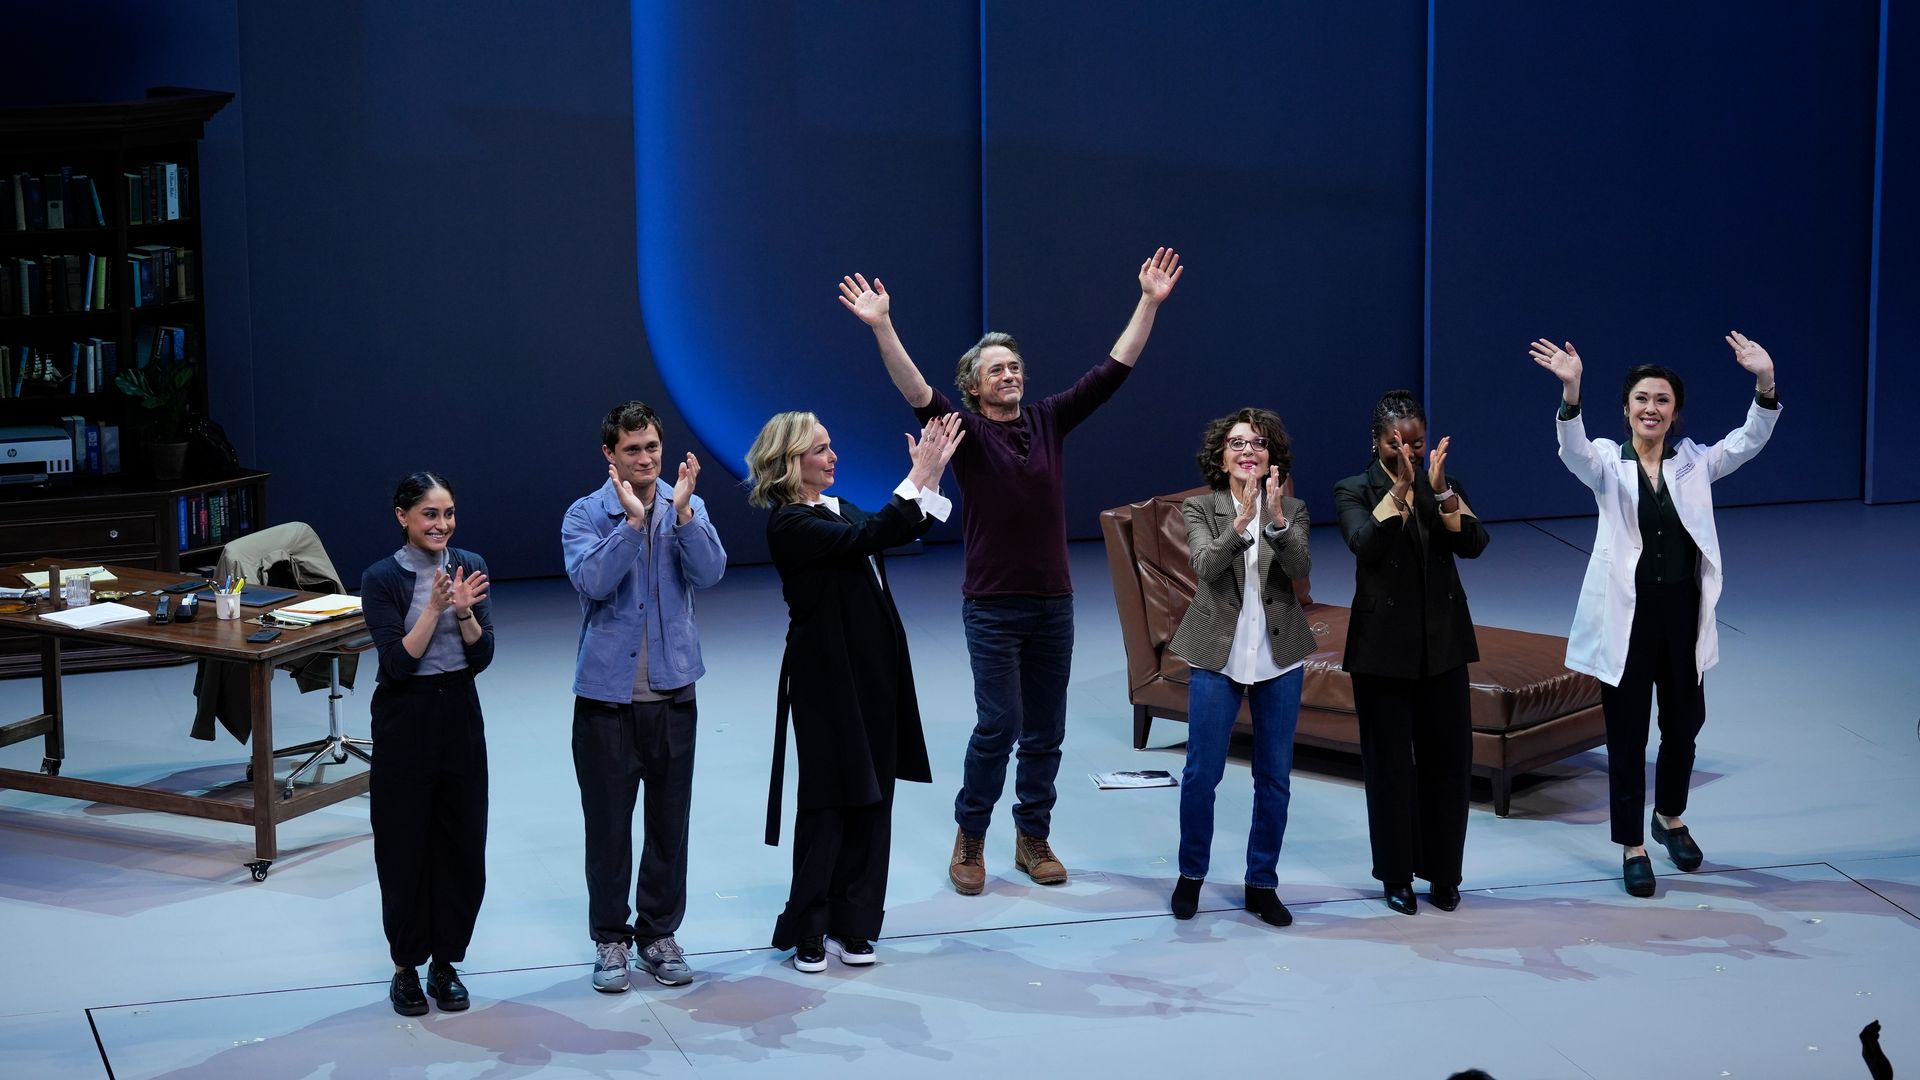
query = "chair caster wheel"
x=258 y=868
x=50 y=766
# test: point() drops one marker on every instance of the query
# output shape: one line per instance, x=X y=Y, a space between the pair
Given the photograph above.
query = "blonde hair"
x=773 y=470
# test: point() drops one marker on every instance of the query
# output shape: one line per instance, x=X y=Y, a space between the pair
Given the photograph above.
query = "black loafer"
x=1680 y=846
x=1444 y=897
x=1637 y=872
x=855 y=952
x=445 y=988
x=1186 y=897
x=1400 y=898
x=1266 y=904
x=405 y=993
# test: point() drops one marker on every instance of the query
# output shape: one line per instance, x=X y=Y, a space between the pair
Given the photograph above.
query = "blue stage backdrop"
x=1280 y=149
x=1895 y=375
x=1641 y=179
x=779 y=147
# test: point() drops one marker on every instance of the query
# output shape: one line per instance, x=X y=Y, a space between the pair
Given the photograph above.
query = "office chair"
x=286 y=556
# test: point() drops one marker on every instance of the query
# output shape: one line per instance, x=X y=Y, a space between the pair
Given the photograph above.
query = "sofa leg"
x=1142 y=721
x=1502 y=792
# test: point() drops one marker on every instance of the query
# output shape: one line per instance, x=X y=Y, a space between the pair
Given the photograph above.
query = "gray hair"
x=966 y=373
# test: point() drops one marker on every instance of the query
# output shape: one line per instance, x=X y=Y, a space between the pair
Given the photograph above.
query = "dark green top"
x=1668 y=555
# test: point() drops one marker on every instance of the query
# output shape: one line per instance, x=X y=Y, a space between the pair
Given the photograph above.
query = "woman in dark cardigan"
x=846 y=676
x=426 y=606
x=1409 y=641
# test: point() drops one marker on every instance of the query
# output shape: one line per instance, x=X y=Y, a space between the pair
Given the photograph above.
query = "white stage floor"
x=135 y=945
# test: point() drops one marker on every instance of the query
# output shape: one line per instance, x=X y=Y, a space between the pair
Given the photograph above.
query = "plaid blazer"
x=1217 y=553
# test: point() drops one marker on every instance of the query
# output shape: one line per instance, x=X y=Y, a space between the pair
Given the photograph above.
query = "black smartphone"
x=160 y=614
x=261 y=637
x=184 y=586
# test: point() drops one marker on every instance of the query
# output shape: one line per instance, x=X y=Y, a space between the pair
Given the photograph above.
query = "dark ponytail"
x=1395 y=406
x=415 y=487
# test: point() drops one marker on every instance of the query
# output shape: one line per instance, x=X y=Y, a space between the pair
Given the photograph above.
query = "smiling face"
x=636 y=457
x=1244 y=454
x=1650 y=410
x=816 y=463
x=1406 y=431
x=1001 y=380
x=429 y=522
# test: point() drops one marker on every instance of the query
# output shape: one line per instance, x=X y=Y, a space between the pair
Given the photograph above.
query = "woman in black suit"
x=846 y=676
x=1409 y=642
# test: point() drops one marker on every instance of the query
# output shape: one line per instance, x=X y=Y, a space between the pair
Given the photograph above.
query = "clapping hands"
x=938 y=440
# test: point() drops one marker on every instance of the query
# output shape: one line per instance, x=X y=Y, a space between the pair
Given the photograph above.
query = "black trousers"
x=1666 y=625
x=840 y=859
x=1416 y=753
x=429 y=815
x=617 y=748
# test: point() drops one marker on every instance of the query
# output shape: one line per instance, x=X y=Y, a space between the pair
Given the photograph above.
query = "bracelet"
x=468 y=617
x=1769 y=391
x=1445 y=495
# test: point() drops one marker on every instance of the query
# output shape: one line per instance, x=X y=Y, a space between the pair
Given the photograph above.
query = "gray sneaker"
x=610 y=967
x=664 y=960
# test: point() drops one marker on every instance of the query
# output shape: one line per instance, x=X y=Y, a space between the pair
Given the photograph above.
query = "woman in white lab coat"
x=1645 y=619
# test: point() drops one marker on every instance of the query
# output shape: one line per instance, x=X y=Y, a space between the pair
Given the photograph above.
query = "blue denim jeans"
x=1021 y=648
x=1213 y=702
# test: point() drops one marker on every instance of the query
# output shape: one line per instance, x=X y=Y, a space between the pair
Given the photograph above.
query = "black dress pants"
x=429 y=815
x=617 y=748
x=1416 y=753
x=1666 y=626
x=840 y=860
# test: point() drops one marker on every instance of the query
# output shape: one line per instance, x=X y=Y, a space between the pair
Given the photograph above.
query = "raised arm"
x=872 y=305
x=1742 y=443
x=1577 y=452
x=1158 y=276
x=1213 y=556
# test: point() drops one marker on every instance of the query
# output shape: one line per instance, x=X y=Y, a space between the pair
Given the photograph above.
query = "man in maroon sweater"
x=1018 y=607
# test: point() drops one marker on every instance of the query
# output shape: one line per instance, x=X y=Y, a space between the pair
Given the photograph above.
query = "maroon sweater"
x=1013 y=509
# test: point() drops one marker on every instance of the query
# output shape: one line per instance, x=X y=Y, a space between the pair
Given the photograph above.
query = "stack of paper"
x=319 y=609
x=94 y=615
x=38 y=578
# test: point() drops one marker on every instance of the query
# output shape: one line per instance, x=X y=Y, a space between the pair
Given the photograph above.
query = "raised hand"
x=1158 y=275
x=1436 y=466
x=465 y=590
x=636 y=509
x=938 y=440
x=1247 y=511
x=440 y=593
x=1403 y=474
x=683 y=486
x=1748 y=354
x=1564 y=362
x=1275 y=512
x=870 y=304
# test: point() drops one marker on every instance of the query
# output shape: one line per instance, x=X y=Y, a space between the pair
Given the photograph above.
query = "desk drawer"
x=30 y=539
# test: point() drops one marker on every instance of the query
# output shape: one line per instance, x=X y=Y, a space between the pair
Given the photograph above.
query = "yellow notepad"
x=38 y=578
x=320 y=609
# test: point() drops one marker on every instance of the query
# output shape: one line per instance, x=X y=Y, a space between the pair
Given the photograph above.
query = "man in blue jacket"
x=635 y=550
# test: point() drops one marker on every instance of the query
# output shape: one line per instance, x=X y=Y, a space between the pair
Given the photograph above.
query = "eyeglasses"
x=1237 y=443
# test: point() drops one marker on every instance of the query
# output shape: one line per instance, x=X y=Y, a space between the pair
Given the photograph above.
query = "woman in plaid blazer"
x=1243 y=636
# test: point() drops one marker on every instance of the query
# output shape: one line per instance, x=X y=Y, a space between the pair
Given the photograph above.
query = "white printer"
x=35 y=455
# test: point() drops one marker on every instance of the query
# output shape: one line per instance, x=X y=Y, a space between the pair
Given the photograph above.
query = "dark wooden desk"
x=204 y=638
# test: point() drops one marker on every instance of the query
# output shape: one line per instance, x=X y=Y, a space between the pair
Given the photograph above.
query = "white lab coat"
x=1603 y=620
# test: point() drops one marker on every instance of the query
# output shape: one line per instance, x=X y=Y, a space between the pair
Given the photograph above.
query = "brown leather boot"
x=1035 y=858
x=968 y=870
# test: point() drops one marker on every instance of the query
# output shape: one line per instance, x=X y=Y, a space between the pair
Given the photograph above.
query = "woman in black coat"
x=846 y=676
x=1409 y=641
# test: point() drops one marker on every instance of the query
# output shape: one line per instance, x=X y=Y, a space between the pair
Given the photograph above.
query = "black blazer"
x=1410 y=615
x=846 y=674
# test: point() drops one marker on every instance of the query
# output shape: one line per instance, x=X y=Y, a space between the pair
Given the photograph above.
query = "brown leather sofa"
x=1528 y=709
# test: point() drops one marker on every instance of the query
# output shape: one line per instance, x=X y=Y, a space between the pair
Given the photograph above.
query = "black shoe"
x=405 y=993
x=1186 y=897
x=1637 y=872
x=810 y=955
x=857 y=952
x=1400 y=898
x=1685 y=853
x=1444 y=897
x=1264 y=903
x=445 y=988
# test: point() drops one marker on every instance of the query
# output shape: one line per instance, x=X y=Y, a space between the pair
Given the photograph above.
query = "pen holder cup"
x=226 y=606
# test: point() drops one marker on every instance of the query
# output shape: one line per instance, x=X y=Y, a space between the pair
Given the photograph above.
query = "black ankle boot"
x=1264 y=903
x=1186 y=897
x=1400 y=898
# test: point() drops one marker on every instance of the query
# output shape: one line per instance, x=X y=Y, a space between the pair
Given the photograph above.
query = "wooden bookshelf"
x=127 y=518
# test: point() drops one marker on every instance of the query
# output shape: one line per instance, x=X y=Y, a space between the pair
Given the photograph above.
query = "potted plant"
x=164 y=391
